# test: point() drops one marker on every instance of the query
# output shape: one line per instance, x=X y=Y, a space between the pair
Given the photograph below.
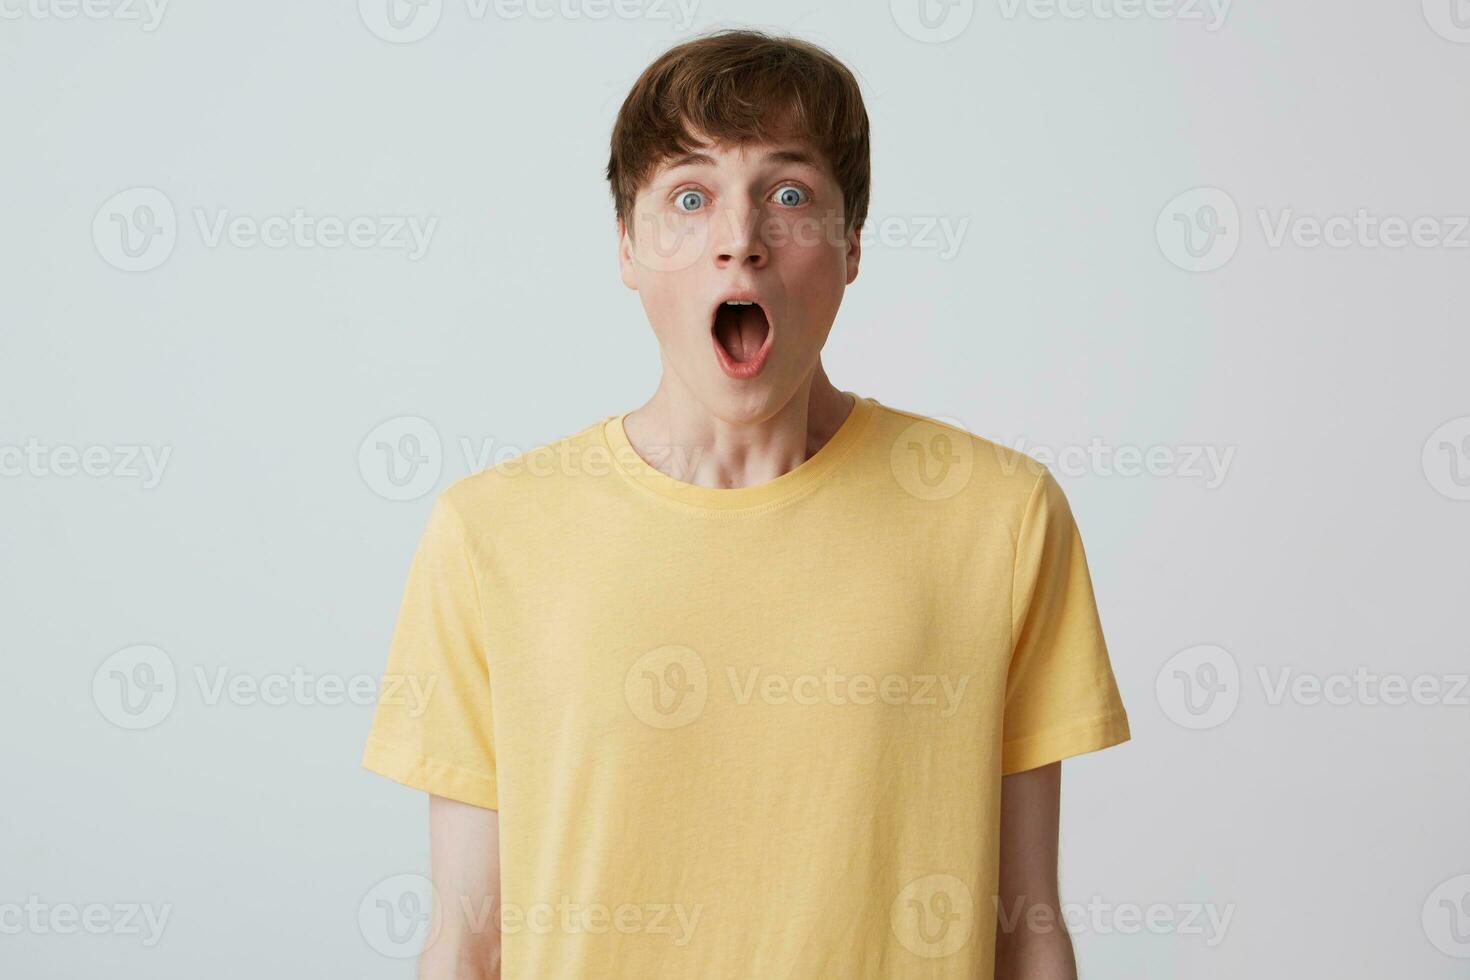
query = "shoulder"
x=936 y=458
x=527 y=482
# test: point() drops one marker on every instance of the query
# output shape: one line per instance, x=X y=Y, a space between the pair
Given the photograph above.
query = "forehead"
x=750 y=154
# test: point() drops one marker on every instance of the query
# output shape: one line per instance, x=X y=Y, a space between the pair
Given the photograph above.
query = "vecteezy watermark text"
x=123 y=462
x=835 y=687
x=1208 y=464
x=1211 y=13
x=40 y=918
x=1200 y=687
x=406 y=21
x=1101 y=917
x=402 y=915
x=137 y=229
x=1201 y=229
x=1363 y=229
x=137 y=687
x=148 y=13
x=408 y=233
x=403 y=458
x=669 y=687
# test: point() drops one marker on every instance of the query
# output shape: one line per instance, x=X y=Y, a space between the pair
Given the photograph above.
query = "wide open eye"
x=790 y=195
x=689 y=201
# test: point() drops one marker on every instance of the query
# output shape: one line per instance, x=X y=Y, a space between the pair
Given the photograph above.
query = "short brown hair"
x=738 y=86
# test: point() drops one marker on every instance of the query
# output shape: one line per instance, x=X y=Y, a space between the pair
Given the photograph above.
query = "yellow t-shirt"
x=752 y=732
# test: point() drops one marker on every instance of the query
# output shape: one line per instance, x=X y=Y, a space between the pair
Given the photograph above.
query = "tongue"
x=741 y=330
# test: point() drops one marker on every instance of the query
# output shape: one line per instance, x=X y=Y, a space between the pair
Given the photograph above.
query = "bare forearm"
x=1031 y=941
x=464 y=853
x=461 y=957
x=1035 y=947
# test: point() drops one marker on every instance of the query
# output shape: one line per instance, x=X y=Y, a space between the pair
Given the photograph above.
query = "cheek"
x=666 y=300
x=815 y=268
x=668 y=243
x=814 y=243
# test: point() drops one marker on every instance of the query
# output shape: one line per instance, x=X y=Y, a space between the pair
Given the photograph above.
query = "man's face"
x=761 y=224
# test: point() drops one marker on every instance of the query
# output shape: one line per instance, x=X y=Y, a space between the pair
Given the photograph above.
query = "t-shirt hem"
x=430 y=775
x=1044 y=748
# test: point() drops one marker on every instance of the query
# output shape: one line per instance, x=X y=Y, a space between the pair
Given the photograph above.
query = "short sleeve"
x=1061 y=697
x=432 y=727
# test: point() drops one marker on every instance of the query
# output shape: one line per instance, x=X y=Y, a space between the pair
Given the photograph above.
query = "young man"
x=762 y=678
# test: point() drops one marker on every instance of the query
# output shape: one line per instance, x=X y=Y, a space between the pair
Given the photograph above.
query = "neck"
x=734 y=452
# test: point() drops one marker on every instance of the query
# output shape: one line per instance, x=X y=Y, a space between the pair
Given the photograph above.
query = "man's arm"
x=464 y=861
x=1031 y=941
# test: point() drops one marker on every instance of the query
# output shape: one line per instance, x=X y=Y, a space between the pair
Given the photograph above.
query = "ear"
x=627 y=267
x=854 y=252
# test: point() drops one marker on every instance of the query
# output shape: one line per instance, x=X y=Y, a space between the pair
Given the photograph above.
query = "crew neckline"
x=794 y=482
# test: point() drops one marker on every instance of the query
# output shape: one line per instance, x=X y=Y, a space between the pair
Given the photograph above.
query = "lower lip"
x=744 y=370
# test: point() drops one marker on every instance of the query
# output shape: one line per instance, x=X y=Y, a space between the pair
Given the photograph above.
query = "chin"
x=748 y=402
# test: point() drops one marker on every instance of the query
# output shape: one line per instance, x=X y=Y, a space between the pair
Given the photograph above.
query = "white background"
x=1054 y=142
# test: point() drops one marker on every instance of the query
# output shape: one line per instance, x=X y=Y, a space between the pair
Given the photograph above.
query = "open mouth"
x=742 y=335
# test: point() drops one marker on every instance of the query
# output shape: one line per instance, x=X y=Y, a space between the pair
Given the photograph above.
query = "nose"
x=738 y=239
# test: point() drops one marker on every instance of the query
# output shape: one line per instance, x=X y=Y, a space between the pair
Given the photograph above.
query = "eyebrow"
x=774 y=156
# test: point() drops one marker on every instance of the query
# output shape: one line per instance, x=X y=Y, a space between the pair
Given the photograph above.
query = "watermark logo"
x=136 y=687
x=1207 y=464
x=932 y=21
x=406 y=21
x=670 y=687
x=667 y=687
x=838 y=688
x=680 y=12
x=675 y=921
x=1211 y=13
x=932 y=460
x=406 y=233
x=1102 y=917
x=397 y=916
x=1446 y=459
x=135 y=230
x=306 y=689
x=405 y=458
x=1199 y=687
x=942 y=234
x=1199 y=230
x=933 y=916
x=663 y=242
x=1450 y=19
x=402 y=458
x=400 y=21
x=1446 y=917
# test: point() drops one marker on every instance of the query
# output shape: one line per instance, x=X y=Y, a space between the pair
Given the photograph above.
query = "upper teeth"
x=739 y=302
